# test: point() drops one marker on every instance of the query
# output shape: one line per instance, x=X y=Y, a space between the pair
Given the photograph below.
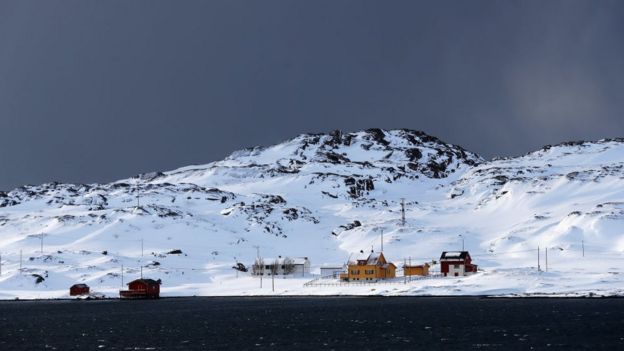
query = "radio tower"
x=138 y=193
x=402 y=212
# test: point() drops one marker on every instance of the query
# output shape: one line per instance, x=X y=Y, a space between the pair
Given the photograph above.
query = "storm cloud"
x=95 y=91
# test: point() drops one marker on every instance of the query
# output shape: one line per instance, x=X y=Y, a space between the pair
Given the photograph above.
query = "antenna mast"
x=403 y=212
x=138 y=193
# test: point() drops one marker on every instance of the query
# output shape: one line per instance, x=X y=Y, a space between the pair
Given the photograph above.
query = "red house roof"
x=455 y=255
x=145 y=281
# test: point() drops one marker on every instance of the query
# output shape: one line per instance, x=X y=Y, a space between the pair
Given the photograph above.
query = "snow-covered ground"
x=328 y=197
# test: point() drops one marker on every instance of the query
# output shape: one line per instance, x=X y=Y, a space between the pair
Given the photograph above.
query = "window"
x=456 y=266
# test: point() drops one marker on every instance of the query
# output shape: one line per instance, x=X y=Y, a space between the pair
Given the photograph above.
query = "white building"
x=295 y=266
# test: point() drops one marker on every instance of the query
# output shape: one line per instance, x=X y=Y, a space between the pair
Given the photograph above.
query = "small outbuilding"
x=456 y=264
x=79 y=290
x=142 y=289
x=416 y=270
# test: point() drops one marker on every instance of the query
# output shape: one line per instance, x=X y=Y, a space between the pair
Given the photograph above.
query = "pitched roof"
x=376 y=258
x=145 y=281
x=80 y=286
x=373 y=259
x=459 y=255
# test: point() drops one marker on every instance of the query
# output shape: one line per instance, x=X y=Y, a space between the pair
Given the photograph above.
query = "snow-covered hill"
x=326 y=197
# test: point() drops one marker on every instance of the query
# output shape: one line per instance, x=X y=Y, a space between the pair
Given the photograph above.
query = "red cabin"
x=79 y=289
x=457 y=263
x=142 y=289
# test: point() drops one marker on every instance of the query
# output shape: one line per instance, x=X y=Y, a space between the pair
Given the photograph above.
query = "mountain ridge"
x=326 y=196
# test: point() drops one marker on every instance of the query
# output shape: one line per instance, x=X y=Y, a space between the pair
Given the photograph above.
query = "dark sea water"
x=363 y=323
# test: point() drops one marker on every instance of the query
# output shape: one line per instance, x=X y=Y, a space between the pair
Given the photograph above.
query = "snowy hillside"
x=327 y=197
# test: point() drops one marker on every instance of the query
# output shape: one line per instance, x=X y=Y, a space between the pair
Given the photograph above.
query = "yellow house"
x=422 y=269
x=372 y=268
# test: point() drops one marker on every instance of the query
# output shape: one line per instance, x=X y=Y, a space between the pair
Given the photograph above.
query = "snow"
x=292 y=200
x=453 y=254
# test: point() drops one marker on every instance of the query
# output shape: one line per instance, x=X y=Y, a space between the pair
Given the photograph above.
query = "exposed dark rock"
x=347 y=226
x=240 y=267
x=413 y=154
x=358 y=187
x=329 y=194
x=38 y=278
x=275 y=199
x=378 y=135
x=572 y=175
x=291 y=214
x=335 y=158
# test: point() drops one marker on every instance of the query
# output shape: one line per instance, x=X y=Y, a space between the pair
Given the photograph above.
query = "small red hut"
x=457 y=263
x=79 y=289
x=142 y=289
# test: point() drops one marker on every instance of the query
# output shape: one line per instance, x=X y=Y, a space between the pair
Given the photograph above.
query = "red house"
x=79 y=289
x=457 y=263
x=142 y=289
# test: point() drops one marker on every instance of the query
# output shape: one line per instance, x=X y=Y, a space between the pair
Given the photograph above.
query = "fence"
x=321 y=281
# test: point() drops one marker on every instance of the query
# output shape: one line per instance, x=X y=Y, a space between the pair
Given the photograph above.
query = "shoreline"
x=274 y=297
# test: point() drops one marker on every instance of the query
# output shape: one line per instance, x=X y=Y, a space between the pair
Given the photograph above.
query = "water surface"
x=358 y=323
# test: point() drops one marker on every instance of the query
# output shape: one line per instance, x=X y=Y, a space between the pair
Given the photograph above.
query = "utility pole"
x=403 y=211
x=260 y=263
x=122 y=275
x=141 y=271
x=257 y=251
x=462 y=237
x=583 y=247
x=404 y=275
x=538 y=260
x=382 y=240
x=546 y=259
x=141 y=247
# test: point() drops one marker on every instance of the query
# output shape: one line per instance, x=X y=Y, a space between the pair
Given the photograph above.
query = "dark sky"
x=100 y=90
